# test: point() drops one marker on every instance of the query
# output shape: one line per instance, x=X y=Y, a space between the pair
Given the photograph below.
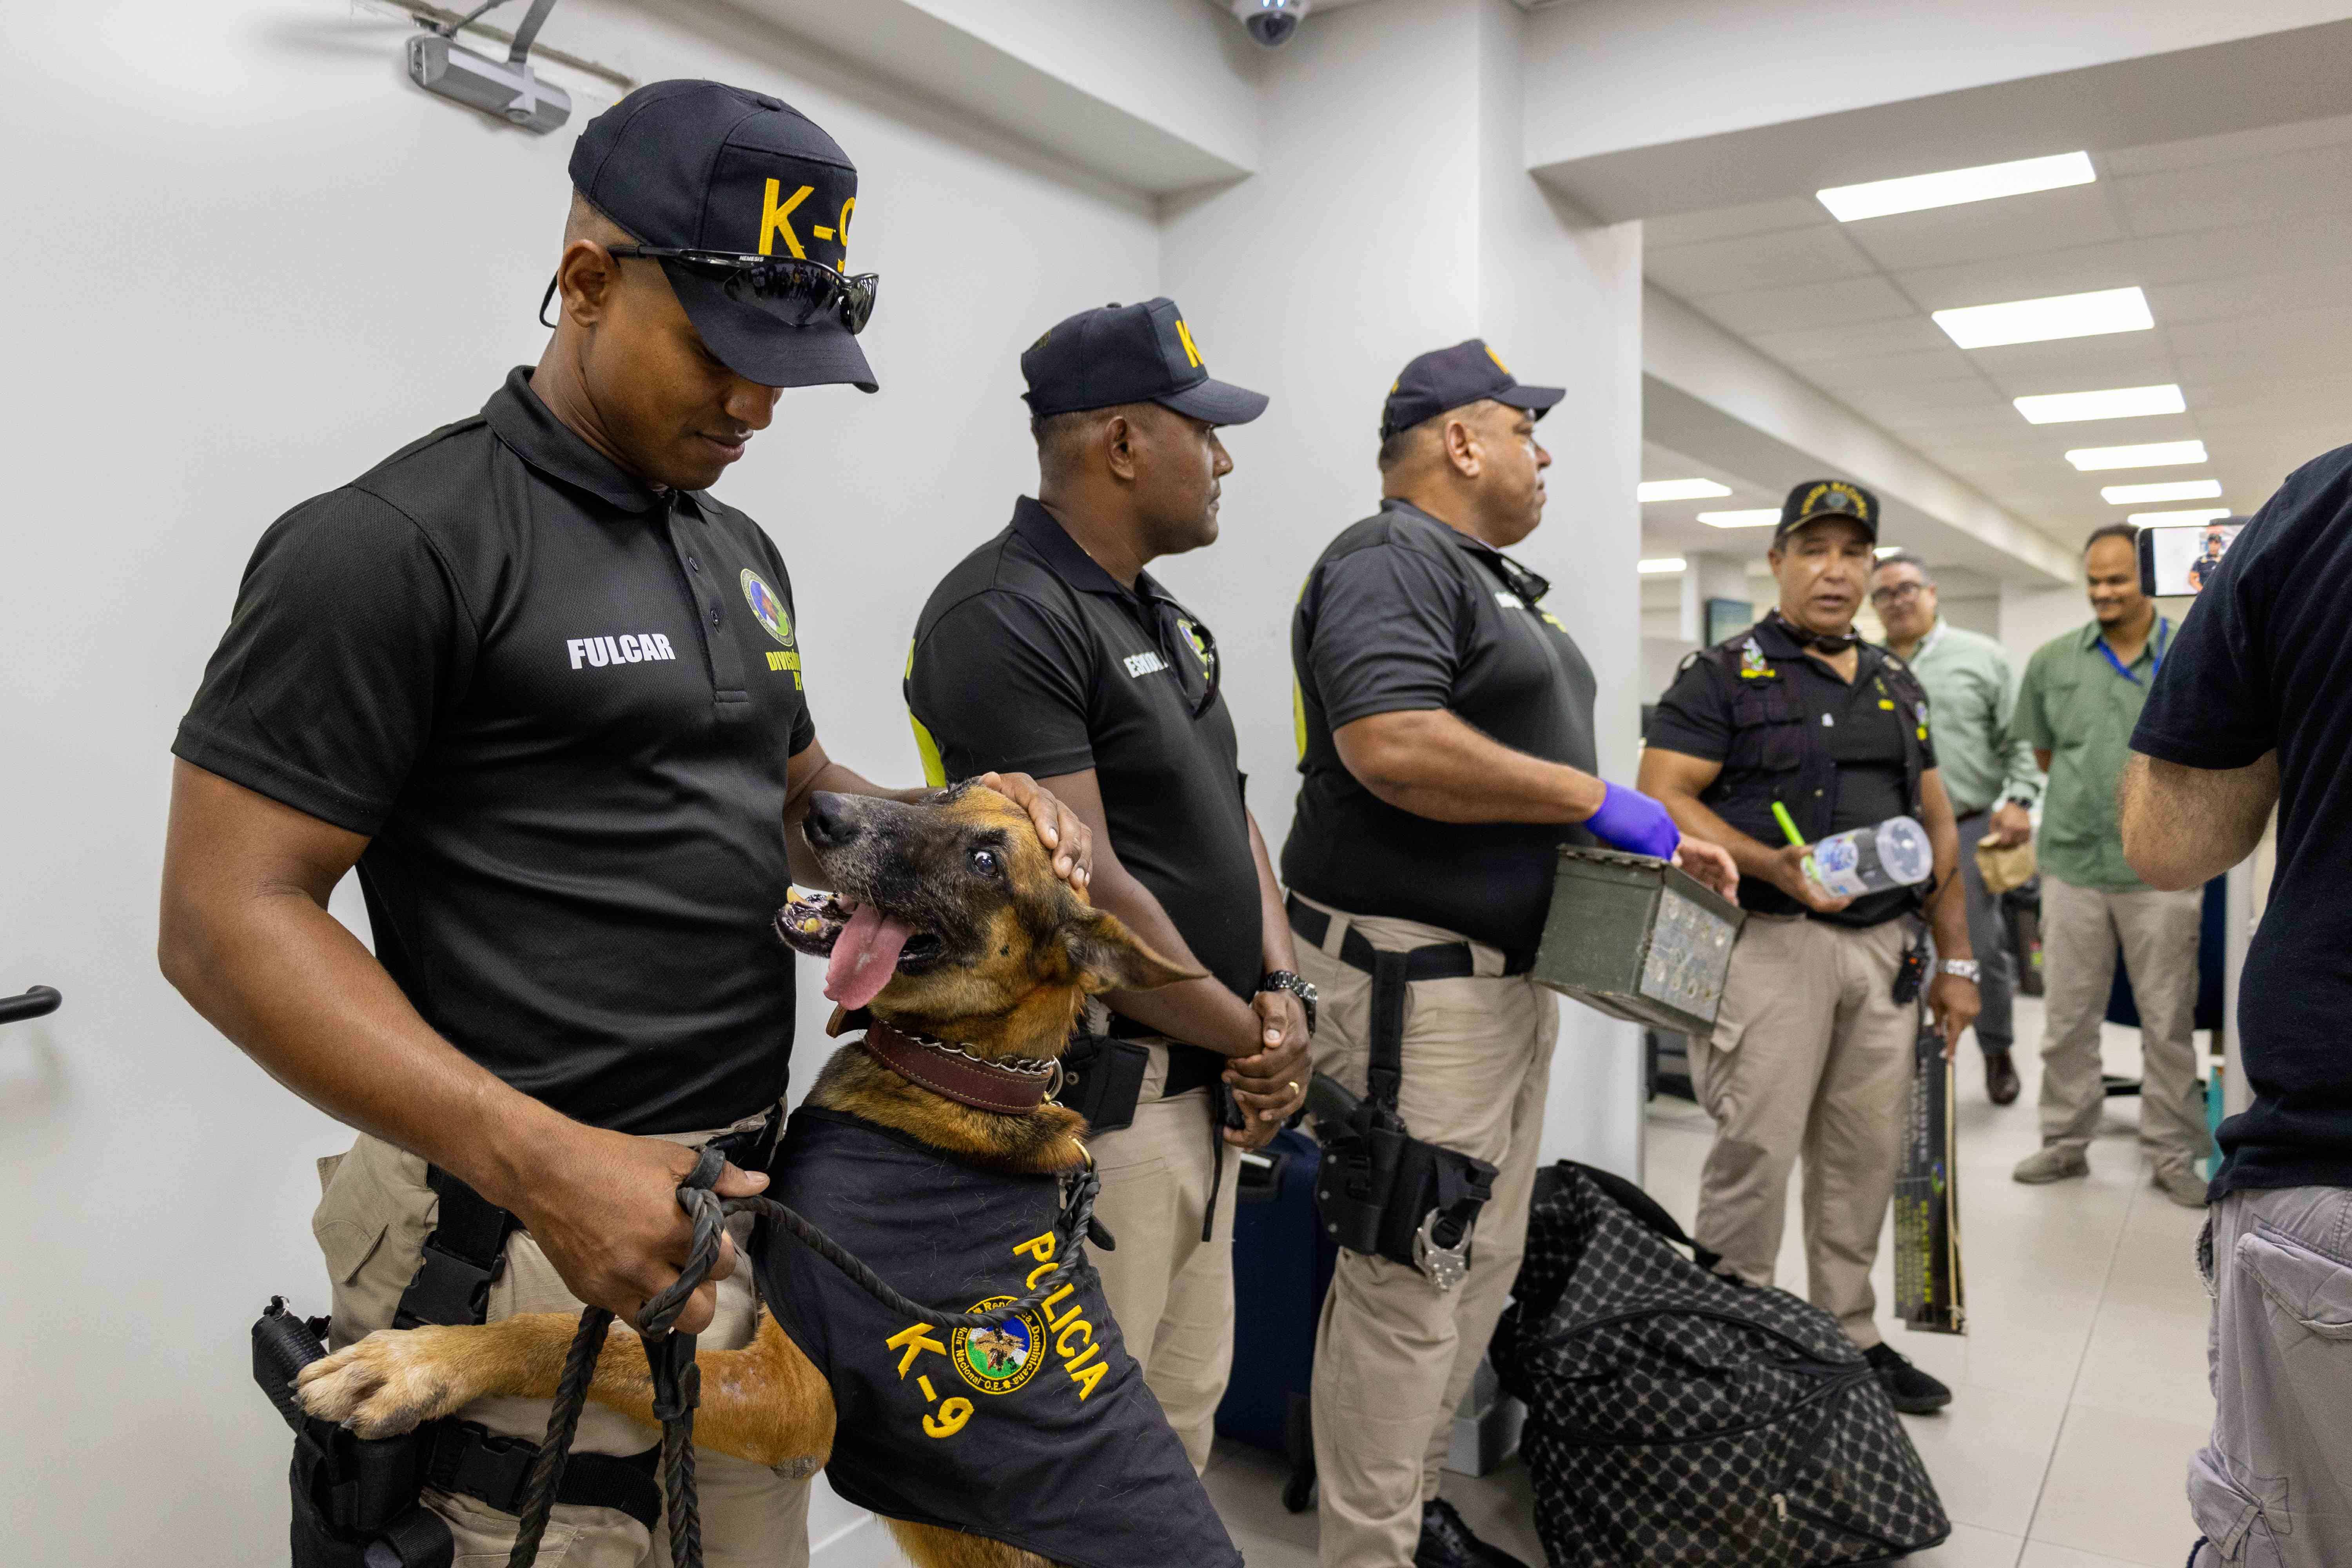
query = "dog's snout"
x=832 y=821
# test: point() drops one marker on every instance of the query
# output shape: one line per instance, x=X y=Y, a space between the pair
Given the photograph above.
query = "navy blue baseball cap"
x=1130 y=353
x=1446 y=379
x=700 y=166
x=1827 y=497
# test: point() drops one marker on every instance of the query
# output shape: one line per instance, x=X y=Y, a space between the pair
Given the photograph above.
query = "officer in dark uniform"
x=1051 y=650
x=1813 y=1050
x=545 y=693
x=1446 y=751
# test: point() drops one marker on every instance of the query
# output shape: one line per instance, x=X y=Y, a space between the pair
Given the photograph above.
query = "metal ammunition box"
x=1637 y=939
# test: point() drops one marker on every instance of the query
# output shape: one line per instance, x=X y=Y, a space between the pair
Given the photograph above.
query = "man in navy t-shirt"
x=2254 y=708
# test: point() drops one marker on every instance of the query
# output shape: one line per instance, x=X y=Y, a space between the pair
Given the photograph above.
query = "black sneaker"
x=1913 y=1391
x=1446 y=1542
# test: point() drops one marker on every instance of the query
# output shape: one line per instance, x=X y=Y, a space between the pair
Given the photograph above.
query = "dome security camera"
x=1271 y=22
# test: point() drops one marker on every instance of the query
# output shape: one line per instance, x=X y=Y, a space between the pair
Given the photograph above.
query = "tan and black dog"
x=1033 y=1444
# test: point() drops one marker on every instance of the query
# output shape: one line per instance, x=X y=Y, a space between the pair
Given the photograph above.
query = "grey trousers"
x=2273 y=1488
x=2080 y=930
x=1988 y=934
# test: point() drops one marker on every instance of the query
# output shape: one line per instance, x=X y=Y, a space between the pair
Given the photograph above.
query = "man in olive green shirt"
x=1989 y=770
x=2081 y=695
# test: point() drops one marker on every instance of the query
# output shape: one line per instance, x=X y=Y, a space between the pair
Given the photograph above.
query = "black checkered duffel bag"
x=1677 y=1417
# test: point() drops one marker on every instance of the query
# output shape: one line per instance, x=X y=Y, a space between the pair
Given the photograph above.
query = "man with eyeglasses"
x=1446 y=747
x=545 y=693
x=1989 y=771
x=1052 y=649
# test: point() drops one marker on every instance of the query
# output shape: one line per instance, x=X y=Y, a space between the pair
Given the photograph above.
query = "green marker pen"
x=1788 y=824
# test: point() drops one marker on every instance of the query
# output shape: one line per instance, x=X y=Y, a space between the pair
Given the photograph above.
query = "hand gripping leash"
x=669 y=1356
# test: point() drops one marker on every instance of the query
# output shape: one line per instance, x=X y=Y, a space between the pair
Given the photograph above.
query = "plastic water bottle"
x=1894 y=854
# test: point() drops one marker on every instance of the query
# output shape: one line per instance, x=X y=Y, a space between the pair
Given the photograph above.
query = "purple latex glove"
x=1631 y=821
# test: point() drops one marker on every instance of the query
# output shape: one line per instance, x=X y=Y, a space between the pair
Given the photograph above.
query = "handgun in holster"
x=1386 y=1194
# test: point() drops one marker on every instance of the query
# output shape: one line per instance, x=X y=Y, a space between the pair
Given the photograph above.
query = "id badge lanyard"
x=2163 y=638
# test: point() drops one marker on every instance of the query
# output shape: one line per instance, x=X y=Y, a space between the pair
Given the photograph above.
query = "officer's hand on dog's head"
x=1059 y=828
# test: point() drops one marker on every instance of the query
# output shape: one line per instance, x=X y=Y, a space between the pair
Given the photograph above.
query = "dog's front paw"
x=388 y=1382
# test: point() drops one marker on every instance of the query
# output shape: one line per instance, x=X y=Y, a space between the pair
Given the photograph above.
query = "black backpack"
x=1678 y=1418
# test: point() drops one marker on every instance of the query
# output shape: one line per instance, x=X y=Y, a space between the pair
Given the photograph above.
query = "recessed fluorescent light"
x=2193 y=514
x=2119 y=402
x=1664 y=566
x=2179 y=489
x=1917 y=193
x=2154 y=454
x=1759 y=517
x=2043 y=321
x=1680 y=490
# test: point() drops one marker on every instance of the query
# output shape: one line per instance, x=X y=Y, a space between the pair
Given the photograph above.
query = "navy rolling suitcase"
x=1282 y=1266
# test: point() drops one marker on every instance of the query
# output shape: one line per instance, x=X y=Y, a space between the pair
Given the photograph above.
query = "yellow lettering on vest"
x=951 y=1417
x=1087 y=1379
x=931 y=1394
x=1036 y=1274
x=1075 y=1362
x=915 y=1341
x=1063 y=1343
x=775 y=218
x=1045 y=1307
x=1040 y=1248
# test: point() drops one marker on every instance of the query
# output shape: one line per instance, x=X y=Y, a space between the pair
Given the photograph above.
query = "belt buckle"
x=1445 y=1266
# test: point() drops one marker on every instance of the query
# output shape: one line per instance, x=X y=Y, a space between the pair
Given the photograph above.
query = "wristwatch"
x=1286 y=980
x=1967 y=969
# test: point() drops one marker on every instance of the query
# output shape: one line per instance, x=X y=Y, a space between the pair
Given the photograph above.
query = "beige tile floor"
x=2079 y=1390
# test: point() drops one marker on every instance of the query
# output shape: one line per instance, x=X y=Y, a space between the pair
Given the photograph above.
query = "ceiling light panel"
x=1918 y=193
x=2151 y=455
x=2046 y=319
x=2192 y=514
x=1682 y=489
x=2118 y=403
x=2179 y=489
x=1664 y=566
x=1759 y=517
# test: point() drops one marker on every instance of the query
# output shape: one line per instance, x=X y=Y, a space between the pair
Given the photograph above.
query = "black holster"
x=1102 y=1079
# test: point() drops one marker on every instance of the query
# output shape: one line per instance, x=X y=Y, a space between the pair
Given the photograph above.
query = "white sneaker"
x=2055 y=1163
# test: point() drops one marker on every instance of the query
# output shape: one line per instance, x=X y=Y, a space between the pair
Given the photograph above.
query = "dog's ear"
x=1109 y=956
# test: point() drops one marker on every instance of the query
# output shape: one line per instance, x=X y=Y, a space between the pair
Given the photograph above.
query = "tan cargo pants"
x=1171 y=1292
x=1393 y=1355
x=2082 y=928
x=373 y=1217
x=1810 y=1056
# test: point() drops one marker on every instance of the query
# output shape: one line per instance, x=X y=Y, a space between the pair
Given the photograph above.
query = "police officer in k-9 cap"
x=544 y=692
x=1813 y=1051
x=1051 y=650
x=1445 y=726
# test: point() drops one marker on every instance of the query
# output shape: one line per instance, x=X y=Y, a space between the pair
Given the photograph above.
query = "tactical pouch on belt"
x=1102 y=1079
x=1382 y=1192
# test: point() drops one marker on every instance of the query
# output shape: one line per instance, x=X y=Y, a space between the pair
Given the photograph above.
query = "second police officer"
x=1447 y=741
x=1052 y=643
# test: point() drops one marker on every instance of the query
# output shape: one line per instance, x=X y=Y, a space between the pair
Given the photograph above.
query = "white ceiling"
x=2243 y=242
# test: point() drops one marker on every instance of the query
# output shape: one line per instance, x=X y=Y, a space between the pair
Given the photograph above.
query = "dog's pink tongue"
x=865 y=956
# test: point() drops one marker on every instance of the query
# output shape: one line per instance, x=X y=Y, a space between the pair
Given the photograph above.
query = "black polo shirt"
x=2262 y=664
x=1031 y=659
x=1404 y=614
x=1864 y=727
x=561 y=706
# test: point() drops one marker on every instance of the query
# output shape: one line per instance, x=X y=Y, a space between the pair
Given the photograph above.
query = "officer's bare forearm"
x=1947 y=912
x=1432 y=763
x=1675 y=780
x=1276 y=949
x=2183 y=827
x=245 y=937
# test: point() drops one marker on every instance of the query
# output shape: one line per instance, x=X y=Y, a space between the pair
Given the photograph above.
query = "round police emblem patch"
x=768 y=605
x=998 y=1359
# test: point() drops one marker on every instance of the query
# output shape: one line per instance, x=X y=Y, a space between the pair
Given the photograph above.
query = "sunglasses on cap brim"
x=787 y=288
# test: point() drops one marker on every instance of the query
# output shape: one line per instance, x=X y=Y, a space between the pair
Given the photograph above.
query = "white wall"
x=1391 y=215
x=251 y=261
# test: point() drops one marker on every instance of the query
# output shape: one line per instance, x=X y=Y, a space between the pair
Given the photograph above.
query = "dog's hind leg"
x=764 y=1403
x=928 y=1546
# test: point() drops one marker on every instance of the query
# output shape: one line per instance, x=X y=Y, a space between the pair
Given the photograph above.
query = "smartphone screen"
x=2177 y=560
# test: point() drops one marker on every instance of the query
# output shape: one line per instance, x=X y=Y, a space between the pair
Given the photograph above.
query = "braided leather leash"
x=678 y=1383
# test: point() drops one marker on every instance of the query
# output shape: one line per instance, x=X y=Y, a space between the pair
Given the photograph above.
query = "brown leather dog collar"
x=1006 y=1087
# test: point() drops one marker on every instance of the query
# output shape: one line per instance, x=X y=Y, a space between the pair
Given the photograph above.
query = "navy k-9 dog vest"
x=1041 y=1432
